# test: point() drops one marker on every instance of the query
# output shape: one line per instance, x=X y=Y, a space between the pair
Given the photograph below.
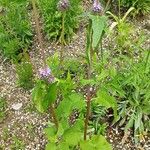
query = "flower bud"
x=63 y=5
x=46 y=74
x=97 y=8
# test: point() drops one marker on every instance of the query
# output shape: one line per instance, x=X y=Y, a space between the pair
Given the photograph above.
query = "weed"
x=3 y=107
x=25 y=75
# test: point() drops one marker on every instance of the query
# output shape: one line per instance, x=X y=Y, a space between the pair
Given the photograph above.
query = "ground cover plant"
x=139 y=5
x=58 y=20
x=79 y=98
x=15 y=29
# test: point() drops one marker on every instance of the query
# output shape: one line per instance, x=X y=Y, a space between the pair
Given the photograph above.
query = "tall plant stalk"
x=54 y=117
x=89 y=54
x=88 y=105
x=38 y=30
x=62 y=38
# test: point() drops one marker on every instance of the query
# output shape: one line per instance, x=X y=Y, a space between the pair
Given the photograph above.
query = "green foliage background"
x=53 y=18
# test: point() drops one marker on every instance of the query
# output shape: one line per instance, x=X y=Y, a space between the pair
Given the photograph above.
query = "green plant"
x=97 y=121
x=25 y=74
x=131 y=87
x=123 y=32
x=15 y=28
x=3 y=107
x=17 y=144
x=141 y=6
x=53 y=19
x=65 y=131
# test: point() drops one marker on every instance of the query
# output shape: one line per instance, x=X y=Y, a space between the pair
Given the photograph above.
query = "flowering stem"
x=38 y=30
x=88 y=103
x=62 y=38
x=52 y=111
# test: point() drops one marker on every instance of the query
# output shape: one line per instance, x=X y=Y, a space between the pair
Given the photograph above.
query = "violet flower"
x=46 y=74
x=97 y=8
x=63 y=5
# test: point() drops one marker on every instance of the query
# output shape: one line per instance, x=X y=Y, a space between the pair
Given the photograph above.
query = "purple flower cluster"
x=63 y=5
x=97 y=8
x=46 y=74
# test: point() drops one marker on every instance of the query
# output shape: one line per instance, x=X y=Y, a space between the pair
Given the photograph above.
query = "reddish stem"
x=52 y=111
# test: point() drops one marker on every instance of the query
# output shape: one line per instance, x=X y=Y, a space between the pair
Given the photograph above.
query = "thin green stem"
x=107 y=4
x=119 y=8
x=147 y=58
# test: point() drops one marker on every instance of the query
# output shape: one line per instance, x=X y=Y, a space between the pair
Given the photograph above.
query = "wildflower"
x=63 y=5
x=46 y=74
x=97 y=8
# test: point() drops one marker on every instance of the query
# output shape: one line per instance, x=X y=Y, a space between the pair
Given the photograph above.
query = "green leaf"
x=74 y=101
x=129 y=124
x=63 y=146
x=78 y=101
x=88 y=42
x=86 y=145
x=101 y=143
x=98 y=142
x=104 y=99
x=51 y=95
x=51 y=133
x=60 y=129
x=51 y=146
x=38 y=95
x=72 y=137
x=98 y=26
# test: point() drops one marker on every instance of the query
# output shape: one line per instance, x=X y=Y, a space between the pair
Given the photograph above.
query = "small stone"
x=17 y=106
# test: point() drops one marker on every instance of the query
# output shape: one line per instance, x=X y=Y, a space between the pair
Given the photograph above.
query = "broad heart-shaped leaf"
x=98 y=26
x=104 y=99
x=72 y=137
x=38 y=95
x=78 y=101
x=51 y=133
x=44 y=95
x=101 y=143
x=73 y=101
x=51 y=146
x=98 y=142
x=87 y=145
x=51 y=95
x=63 y=146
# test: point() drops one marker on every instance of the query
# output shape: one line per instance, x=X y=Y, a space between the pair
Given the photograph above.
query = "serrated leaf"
x=77 y=101
x=51 y=146
x=51 y=133
x=72 y=137
x=101 y=143
x=74 y=101
x=63 y=146
x=51 y=95
x=86 y=145
x=98 y=142
x=104 y=99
